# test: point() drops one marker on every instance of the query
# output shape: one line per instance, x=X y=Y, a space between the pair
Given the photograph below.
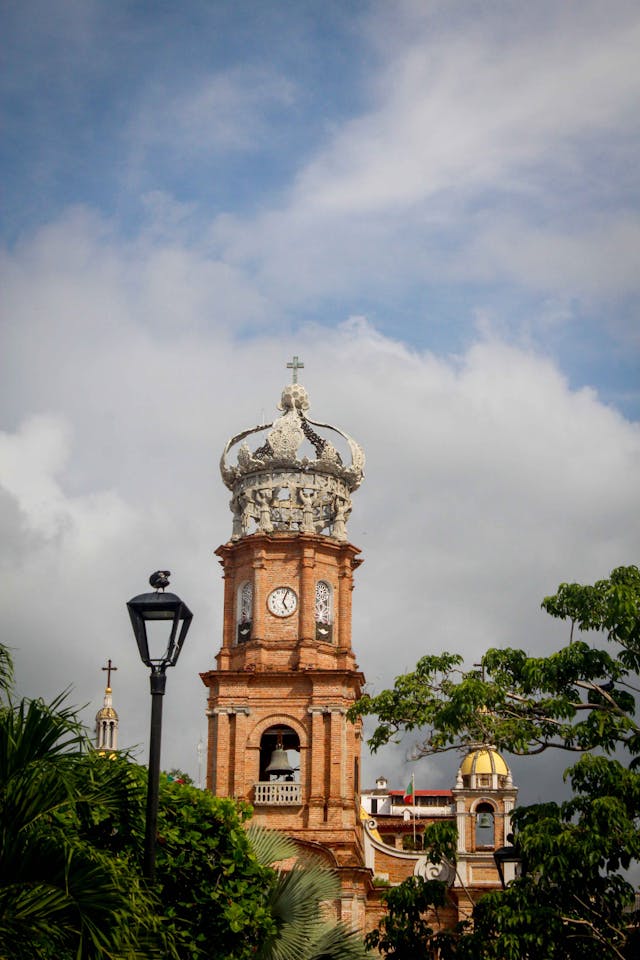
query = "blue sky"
x=434 y=204
x=436 y=138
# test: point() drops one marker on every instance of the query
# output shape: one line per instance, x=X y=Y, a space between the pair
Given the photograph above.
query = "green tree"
x=573 y=900
x=71 y=840
x=59 y=895
x=406 y=930
x=413 y=920
x=214 y=890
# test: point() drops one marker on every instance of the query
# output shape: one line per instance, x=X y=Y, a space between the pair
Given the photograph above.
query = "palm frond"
x=297 y=899
x=270 y=846
x=60 y=891
x=6 y=670
x=336 y=941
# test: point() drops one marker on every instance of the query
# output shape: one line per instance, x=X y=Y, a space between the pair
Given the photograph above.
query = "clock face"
x=282 y=602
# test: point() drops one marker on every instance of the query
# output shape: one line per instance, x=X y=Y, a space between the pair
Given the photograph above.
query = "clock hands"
x=282 y=601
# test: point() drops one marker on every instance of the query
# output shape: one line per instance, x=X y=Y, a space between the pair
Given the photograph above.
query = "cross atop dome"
x=110 y=669
x=294 y=366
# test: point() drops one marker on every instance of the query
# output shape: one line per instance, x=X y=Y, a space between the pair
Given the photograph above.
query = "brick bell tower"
x=286 y=672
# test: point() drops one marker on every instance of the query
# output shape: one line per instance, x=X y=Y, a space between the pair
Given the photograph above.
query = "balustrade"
x=280 y=794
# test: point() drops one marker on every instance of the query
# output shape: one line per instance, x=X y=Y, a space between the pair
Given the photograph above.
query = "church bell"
x=279 y=763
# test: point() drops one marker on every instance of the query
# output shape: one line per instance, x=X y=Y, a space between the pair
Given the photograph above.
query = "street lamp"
x=147 y=609
x=505 y=855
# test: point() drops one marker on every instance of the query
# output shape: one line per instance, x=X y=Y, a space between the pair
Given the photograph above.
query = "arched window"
x=324 y=611
x=280 y=755
x=485 y=825
x=245 y=611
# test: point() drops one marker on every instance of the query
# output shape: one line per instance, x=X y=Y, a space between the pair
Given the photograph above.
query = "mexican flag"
x=410 y=792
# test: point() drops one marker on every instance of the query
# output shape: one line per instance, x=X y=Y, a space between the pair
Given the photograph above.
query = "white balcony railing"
x=277 y=794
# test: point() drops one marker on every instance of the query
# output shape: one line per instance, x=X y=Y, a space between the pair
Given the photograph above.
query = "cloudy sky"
x=434 y=204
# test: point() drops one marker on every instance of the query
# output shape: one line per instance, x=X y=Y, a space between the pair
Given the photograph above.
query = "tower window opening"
x=279 y=755
x=245 y=611
x=485 y=825
x=324 y=611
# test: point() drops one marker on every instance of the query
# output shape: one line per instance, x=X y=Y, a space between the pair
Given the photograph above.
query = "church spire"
x=106 y=717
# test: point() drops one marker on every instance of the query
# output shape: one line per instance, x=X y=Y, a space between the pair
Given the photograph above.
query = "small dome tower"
x=107 y=718
x=485 y=797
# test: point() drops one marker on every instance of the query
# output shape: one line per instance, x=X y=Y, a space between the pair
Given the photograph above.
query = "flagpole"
x=413 y=811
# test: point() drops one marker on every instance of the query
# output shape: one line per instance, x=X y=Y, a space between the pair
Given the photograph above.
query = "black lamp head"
x=153 y=607
x=507 y=854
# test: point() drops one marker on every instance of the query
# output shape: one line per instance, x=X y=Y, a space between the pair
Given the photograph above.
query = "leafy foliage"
x=572 y=901
x=578 y=699
x=59 y=895
x=71 y=841
x=215 y=892
x=72 y=823
x=407 y=928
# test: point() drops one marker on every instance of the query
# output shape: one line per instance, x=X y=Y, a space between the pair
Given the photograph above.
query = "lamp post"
x=146 y=609
x=504 y=855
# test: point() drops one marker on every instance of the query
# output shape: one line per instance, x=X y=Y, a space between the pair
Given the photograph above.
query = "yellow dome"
x=106 y=713
x=483 y=760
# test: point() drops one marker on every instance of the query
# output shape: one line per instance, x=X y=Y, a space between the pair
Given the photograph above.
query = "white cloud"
x=213 y=114
x=128 y=362
x=466 y=114
x=601 y=259
x=486 y=154
x=29 y=461
x=489 y=480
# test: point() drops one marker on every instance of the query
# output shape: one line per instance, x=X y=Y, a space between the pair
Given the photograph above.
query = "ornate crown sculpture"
x=275 y=490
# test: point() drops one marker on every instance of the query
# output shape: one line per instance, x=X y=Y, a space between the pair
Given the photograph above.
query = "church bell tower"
x=286 y=673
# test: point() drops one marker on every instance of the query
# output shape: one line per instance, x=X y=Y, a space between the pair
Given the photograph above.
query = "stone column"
x=241 y=785
x=461 y=822
x=230 y=606
x=345 y=588
x=316 y=768
x=336 y=760
x=259 y=594
x=219 y=756
x=307 y=593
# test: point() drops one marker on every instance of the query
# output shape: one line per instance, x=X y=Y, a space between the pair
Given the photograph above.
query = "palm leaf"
x=60 y=895
x=297 y=899
x=270 y=846
x=336 y=941
x=6 y=670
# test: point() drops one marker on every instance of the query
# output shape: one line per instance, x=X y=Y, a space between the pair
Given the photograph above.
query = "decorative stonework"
x=275 y=489
x=246 y=602
x=323 y=602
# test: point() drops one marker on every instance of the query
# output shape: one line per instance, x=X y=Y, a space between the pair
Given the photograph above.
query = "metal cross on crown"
x=295 y=365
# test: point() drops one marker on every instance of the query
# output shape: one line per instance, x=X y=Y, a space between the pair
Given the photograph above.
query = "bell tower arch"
x=286 y=673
